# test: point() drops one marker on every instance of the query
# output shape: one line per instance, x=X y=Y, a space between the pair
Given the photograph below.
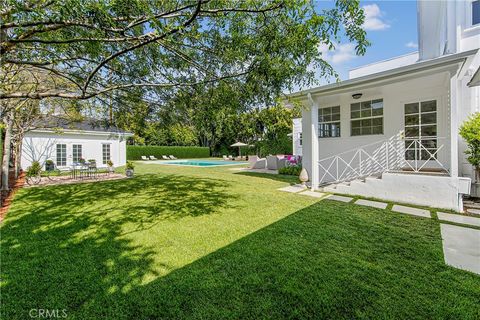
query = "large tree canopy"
x=92 y=47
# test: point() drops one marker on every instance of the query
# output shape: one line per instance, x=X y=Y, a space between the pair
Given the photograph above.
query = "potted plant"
x=49 y=165
x=110 y=166
x=33 y=173
x=470 y=132
x=129 y=169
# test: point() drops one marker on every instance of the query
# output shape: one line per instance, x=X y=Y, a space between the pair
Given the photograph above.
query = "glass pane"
x=429 y=131
x=412 y=132
x=336 y=109
x=411 y=108
x=327 y=118
x=355 y=107
x=366 y=105
x=377 y=112
x=355 y=114
x=335 y=117
x=355 y=131
x=377 y=107
x=429 y=118
x=429 y=106
x=475 y=12
x=429 y=144
x=377 y=122
x=356 y=124
x=366 y=113
x=367 y=123
x=377 y=130
x=428 y=155
x=411 y=120
x=410 y=155
x=366 y=130
x=335 y=129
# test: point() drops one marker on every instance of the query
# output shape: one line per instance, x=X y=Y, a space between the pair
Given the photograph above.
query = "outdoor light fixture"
x=356 y=95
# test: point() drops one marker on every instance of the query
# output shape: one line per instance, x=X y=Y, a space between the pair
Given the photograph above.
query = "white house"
x=391 y=130
x=66 y=143
x=297 y=136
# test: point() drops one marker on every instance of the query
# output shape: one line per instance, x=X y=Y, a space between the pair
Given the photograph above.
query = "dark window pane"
x=355 y=131
x=410 y=155
x=355 y=106
x=327 y=118
x=411 y=120
x=367 y=123
x=335 y=117
x=366 y=130
x=429 y=106
x=411 y=108
x=429 y=131
x=366 y=113
x=475 y=12
x=429 y=144
x=412 y=132
x=366 y=105
x=336 y=109
x=377 y=130
x=377 y=122
x=377 y=112
x=356 y=124
x=355 y=114
x=429 y=118
x=428 y=154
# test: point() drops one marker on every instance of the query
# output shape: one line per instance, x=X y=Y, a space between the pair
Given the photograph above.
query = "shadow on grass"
x=64 y=247
x=329 y=260
x=276 y=177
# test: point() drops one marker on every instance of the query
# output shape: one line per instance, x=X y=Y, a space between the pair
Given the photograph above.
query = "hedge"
x=136 y=152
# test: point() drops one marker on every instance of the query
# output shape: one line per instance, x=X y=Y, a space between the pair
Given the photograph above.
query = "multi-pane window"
x=366 y=117
x=420 y=130
x=475 y=12
x=300 y=138
x=77 y=152
x=105 y=153
x=61 y=155
x=329 y=122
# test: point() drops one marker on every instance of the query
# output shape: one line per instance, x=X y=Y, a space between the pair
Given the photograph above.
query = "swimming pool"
x=201 y=163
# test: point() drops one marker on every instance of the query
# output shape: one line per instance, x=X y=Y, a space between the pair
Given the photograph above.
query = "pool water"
x=202 y=163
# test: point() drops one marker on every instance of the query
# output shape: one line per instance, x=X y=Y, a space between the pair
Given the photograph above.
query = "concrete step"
x=472 y=205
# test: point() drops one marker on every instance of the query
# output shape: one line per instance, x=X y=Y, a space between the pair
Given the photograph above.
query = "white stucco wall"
x=297 y=131
x=41 y=146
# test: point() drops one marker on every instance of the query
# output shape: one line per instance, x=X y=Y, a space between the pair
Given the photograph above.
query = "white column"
x=314 y=178
x=453 y=125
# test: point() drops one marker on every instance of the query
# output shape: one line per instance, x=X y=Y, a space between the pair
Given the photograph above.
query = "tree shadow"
x=277 y=177
x=67 y=247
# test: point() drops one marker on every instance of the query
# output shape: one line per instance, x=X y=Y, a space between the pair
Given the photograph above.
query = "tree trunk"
x=18 y=157
x=6 y=151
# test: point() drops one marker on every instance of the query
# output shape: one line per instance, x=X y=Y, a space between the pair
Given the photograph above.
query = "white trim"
x=82 y=132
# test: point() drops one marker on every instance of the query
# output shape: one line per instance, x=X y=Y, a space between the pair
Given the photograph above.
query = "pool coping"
x=174 y=163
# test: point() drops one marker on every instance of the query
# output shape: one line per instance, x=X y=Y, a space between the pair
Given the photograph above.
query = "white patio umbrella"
x=239 y=145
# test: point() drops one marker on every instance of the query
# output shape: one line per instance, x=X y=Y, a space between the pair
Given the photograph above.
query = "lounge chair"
x=153 y=158
x=172 y=157
x=256 y=162
x=272 y=163
x=145 y=158
x=230 y=157
x=165 y=157
x=225 y=158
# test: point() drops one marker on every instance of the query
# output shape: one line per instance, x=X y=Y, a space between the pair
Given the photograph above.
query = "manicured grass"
x=180 y=242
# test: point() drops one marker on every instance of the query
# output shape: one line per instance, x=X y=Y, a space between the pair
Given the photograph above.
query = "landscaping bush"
x=292 y=170
x=136 y=152
x=34 y=169
x=470 y=132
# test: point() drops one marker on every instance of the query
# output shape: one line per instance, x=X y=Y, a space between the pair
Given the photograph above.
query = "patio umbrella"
x=239 y=145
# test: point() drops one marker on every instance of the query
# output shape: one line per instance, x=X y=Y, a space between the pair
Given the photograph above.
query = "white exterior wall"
x=41 y=146
x=297 y=135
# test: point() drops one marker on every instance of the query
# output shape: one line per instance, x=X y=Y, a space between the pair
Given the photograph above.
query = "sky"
x=391 y=28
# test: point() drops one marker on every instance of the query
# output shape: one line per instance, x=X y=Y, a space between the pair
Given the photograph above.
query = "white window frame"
x=338 y=122
x=420 y=137
x=64 y=158
x=469 y=17
x=371 y=117
x=75 y=146
x=105 y=160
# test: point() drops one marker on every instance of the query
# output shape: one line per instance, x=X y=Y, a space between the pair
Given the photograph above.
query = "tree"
x=470 y=132
x=100 y=46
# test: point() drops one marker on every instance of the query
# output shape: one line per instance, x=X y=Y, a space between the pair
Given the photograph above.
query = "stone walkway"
x=461 y=245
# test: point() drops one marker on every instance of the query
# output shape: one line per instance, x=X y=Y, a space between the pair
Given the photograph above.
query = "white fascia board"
x=83 y=132
x=385 y=76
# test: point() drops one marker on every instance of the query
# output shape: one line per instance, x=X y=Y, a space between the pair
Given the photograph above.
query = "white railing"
x=379 y=157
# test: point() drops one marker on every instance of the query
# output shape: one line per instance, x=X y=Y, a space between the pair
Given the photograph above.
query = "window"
x=61 y=155
x=421 y=125
x=329 y=122
x=475 y=12
x=300 y=138
x=77 y=152
x=366 y=117
x=105 y=153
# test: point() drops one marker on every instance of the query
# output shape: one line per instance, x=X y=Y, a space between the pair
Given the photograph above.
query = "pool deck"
x=211 y=163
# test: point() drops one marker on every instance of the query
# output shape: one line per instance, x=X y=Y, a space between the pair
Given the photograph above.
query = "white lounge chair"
x=230 y=157
x=153 y=158
x=145 y=158
x=165 y=157
x=257 y=163
x=172 y=157
x=225 y=158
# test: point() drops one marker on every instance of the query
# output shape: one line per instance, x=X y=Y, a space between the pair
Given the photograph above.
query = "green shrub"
x=129 y=165
x=470 y=132
x=136 y=152
x=34 y=169
x=293 y=170
x=110 y=163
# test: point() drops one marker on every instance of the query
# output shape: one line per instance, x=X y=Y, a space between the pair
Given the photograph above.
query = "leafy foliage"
x=470 y=132
x=34 y=169
x=292 y=170
x=136 y=152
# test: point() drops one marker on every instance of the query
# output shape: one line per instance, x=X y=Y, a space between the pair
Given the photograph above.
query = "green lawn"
x=178 y=242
